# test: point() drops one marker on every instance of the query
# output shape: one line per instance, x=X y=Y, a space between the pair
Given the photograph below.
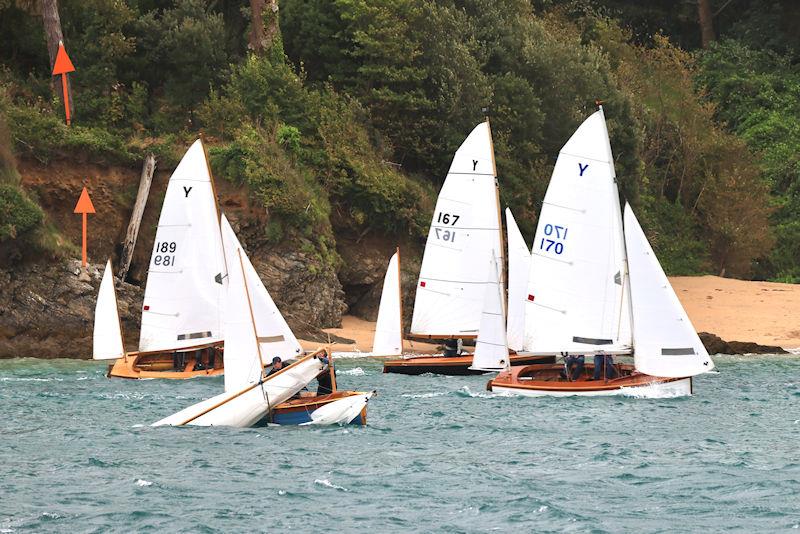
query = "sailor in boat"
x=578 y=361
x=324 y=379
x=453 y=347
x=277 y=365
x=604 y=367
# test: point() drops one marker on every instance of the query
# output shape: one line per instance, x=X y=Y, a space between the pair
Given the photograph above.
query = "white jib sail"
x=274 y=334
x=249 y=405
x=388 y=340
x=464 y=230
x=519 y=262
x=186 y=279
x=665 y=342
x=575 y=300
x=491 y=350
x=107 y=335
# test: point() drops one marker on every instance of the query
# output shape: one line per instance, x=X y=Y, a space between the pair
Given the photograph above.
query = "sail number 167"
x=554 y=240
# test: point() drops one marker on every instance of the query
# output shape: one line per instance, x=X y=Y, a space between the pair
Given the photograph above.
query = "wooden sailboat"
x=596 y=288
x=465 y=229
x=181 y=331
x=252 y=396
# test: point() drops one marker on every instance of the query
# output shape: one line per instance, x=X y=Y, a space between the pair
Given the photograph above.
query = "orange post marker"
x=62 y=66
x=84 y=207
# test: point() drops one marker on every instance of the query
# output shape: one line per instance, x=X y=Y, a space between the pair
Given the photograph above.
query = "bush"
x=19 y=215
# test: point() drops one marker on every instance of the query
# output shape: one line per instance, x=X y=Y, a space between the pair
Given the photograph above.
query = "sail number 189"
x=555 y=238
x=164 y=253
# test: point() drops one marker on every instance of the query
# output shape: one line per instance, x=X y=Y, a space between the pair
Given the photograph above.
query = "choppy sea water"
x=440 y=454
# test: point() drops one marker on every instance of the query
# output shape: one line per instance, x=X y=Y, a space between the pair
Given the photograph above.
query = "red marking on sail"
x=530 y=298
x=422 y=284
x=146 y=308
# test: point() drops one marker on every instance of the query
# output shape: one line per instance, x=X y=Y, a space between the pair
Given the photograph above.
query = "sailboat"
x=388 y=339
x=519 y=261
x=464 y=232
x=250 y=394
x=491 y=347
x=181 y=330
x=596 y=288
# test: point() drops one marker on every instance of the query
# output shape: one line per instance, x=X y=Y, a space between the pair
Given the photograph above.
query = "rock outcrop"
x=716 y=345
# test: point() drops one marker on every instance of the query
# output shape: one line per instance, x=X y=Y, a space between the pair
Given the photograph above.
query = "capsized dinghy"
x=464 y=232
x=597 y=288
x=181 y=331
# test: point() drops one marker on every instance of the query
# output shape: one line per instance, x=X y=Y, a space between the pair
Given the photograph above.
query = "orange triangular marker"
x=63 y=63
x=84 y=204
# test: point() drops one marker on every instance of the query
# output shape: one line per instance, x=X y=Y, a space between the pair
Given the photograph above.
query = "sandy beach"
x=767 y=313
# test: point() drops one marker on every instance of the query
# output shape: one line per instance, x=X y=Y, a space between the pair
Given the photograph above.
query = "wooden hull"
x=298 y=411
x=547 y=381
x=192 y=362
x=451 y=365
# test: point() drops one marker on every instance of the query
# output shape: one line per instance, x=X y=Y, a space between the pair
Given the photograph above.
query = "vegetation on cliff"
x=348 y=122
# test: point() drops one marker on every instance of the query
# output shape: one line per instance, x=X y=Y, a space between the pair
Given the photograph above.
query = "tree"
x=54 y=36
x=263 y=32
x=706 y=22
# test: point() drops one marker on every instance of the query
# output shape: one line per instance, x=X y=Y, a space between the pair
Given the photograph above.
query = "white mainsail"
x=186 y=279
x=274 y=335
x=576 y=298
x=666 y=344
x=107 y=335
x=519 y=261
x=464 y=230
x=388 y=340
x=491 y=349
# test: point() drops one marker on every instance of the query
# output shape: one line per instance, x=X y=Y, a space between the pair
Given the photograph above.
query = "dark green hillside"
x=339 y=117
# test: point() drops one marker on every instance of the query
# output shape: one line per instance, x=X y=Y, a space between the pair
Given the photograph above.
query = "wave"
x=356 y=371
x=424 y=395
x=652 y=391
x=328 y=484
x=142 y=483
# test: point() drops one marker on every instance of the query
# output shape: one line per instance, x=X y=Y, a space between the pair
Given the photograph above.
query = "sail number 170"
x=555 y=238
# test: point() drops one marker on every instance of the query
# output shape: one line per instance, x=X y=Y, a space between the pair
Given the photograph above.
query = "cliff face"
x=46 y=310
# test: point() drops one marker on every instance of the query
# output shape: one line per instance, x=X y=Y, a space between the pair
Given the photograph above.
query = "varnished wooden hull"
x=546 y=380
x=298 y=411
x=176 y=365
x=451 y=365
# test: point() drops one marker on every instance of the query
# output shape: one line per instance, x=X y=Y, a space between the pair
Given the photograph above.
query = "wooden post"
x=136 y=217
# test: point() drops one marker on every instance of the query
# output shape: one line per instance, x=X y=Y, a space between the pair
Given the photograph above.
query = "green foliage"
x=289 y=138
x=19 y=215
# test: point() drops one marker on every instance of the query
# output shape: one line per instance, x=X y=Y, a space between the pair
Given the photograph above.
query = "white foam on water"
x=353 y=354
x=281 y=492
x=357 y=371
x=424 y=395
x=20 y=379
x=486 y=394
x=652 y=391
x=143 y=483
x=542 y=509
x=138 y=426
x=6 y=530
x=328 y=484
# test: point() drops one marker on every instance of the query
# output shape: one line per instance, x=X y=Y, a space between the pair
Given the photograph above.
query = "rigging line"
x=489 y=343
x=456 y=281
x=455 y=200
x=174 y=225
x=472 y=174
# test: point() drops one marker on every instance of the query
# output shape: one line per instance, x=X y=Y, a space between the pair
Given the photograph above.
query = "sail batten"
x=464 y=229
x=184 y=291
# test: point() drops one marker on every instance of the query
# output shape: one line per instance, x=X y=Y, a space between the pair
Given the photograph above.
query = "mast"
x=252 y=316
x=502 y=271
x=214 y=193
x=399 y=298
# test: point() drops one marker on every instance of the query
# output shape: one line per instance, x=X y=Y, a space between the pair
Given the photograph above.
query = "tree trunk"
x=136 y=217
x=264 y=29
x=706 y=22
x=53 y=34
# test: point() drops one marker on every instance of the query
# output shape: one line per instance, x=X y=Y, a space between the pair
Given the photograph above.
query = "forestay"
x=519 y=260
x=666 y=344
x=274 y=335
x=575 y=296
x=464 y=231
x=388 y=339
x=491 y=350
x=186 y=279
x=107 y=335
